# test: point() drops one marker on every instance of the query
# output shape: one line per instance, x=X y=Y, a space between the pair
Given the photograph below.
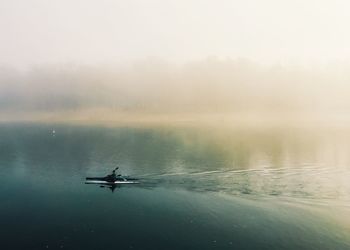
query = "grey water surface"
x=200 y=188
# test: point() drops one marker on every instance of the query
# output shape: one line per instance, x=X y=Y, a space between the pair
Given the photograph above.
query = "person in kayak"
x=112 y=177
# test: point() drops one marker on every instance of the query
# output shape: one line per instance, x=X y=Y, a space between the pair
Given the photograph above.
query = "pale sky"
x=36 y=32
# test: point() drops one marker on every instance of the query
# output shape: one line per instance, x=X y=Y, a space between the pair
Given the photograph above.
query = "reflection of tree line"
x=150 y=149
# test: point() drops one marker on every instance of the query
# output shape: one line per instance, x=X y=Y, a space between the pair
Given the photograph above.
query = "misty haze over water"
x=233 y=117
x=212 y=86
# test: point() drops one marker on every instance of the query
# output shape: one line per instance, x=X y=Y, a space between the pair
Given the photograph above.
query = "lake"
x=200 y=187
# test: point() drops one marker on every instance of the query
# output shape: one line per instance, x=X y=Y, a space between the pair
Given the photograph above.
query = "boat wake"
x=314 y=183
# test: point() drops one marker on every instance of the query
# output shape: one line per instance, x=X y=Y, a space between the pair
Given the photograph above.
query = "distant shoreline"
x=106 y=117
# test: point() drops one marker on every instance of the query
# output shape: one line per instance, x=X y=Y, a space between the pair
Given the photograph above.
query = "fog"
x=154 y=87
x=39 y=32
x=180 y=60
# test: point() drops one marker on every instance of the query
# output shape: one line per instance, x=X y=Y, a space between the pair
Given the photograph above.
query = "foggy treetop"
x=206 y=86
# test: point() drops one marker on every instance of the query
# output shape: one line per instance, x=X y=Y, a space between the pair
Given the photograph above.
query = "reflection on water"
x=296 y=163
x=231 y=184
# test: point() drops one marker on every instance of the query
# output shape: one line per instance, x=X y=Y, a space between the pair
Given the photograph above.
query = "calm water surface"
x=201 y=188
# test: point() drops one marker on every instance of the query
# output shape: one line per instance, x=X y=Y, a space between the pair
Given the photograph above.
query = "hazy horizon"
x=100 y=59
x=154 y=87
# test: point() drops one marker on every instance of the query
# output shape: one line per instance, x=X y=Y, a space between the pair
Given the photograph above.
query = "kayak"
x=107 y=181
x=110 y=182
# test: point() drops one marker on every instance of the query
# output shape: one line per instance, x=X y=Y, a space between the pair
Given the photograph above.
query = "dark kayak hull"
x=96 y=178
x=110 y=182
x=107 y=179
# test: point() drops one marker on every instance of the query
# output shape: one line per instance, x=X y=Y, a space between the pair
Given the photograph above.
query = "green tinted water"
x=201 y=188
